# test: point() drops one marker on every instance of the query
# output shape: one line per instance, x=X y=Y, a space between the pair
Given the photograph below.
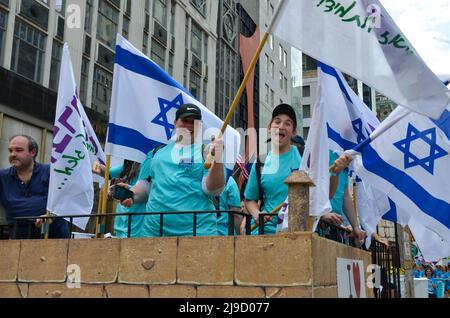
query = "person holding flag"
x=266 y=181
x=128 y=173
x=173 y=178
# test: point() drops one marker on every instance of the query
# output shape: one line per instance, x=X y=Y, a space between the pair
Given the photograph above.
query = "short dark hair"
x=32 y=144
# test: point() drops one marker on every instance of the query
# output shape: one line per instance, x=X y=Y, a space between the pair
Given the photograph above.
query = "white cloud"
x=426 y=24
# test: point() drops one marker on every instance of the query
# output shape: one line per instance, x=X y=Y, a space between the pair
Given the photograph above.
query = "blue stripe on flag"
x=444 y=123
x=145 y=67
x=332 y=72
x=433 y=207
x=131 y=138
x=336 y=137
x=391 y=215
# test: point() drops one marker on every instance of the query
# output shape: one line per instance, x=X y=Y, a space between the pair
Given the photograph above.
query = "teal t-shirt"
x=230 y=198
x=337 y=202
x=121 y=222
x=176 y=174
x=273 y=175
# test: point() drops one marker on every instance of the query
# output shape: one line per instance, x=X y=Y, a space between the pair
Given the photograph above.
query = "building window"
x=60 y=6
x=125 y=27
x=285 y=85
x=267 y=94
x=172 y=17
x=281 y=81
x=306 y=91
x=205 y=92
x=28 y=51
x=171 y=64
x=128 y=8
x=160 y=12
x=367 y=95
x=84 y=80
x=108 y=19
x=88 y=17
x=281 y=53
x=102 y=90
x=267 y=64
x=271 y=68
x=3 y=23
x=285 y=58
x=158 y=54
x=55 y=65
x=305 y=132
x=194 y=85
x=271 y=41
x=196 y=40
x=272 y=98
x=308 y=63
x=271 y=10
x=306 y=111
x=200 y=5
x=145 y=43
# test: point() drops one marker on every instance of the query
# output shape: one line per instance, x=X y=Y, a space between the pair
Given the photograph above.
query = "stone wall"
x=288 y=265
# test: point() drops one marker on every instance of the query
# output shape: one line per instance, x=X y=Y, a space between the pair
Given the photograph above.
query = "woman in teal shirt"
x=280 y=162
x=128 y=173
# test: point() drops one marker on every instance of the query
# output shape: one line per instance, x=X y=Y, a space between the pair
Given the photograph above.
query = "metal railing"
x=388 y=258
x=29 y=221
x=335 y=233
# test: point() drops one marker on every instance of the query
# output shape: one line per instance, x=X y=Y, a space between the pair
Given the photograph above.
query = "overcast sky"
x=426 y=24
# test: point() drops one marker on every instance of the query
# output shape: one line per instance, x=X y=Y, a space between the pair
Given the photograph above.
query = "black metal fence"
x=388 y=258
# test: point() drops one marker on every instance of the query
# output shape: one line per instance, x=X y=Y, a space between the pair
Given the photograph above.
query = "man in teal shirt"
x=230 y=200
x=174 y=179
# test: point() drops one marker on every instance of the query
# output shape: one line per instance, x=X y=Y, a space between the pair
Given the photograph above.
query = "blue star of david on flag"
x=428 y=136
x=165 y=106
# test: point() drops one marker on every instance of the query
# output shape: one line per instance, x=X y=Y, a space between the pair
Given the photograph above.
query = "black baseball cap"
x=285 y=109
x=187 y=110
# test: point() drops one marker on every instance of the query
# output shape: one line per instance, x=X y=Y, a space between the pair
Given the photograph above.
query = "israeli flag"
x=143 y=105
x=410 y=161
x=348 y=122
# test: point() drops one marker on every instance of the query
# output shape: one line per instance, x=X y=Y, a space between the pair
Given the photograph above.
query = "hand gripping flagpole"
x=278 y=208
x=237 y=98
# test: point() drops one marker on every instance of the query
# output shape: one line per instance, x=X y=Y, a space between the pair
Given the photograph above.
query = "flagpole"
x=98 y=233
x=46 y=225
x=237 y=98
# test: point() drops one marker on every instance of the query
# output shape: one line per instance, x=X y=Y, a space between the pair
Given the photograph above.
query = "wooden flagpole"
x=248 y=72
x=99 y=220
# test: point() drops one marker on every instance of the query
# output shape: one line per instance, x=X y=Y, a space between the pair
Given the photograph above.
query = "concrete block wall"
x=288 y=265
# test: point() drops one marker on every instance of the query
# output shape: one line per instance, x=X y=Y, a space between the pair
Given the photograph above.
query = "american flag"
x=241 y=164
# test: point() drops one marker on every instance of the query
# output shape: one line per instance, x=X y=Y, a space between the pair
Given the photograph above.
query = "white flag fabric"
x=143 y=106
x=410 y=163
x=348 y=122
x=361 y=39
x=75 y=148
x=316 y=159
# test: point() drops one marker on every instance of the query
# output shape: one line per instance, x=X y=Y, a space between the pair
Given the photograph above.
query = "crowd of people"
x=438 y=279
x=173 y=178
